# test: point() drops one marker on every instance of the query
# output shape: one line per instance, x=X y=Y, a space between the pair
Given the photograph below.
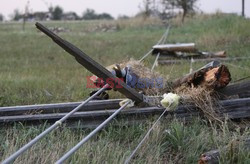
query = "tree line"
x=57 y=13
x=164 y=9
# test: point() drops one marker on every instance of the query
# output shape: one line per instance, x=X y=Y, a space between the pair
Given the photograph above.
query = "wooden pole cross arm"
x=91 y=64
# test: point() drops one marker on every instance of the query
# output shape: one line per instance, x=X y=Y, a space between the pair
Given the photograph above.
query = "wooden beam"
x=235 y=89
x=92 y=65
x=234 y=109
x=59 y=107
x=163 y=61
x=182 y=47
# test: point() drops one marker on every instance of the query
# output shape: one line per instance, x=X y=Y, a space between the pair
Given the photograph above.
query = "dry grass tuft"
x=203 y=98
x=138 y=22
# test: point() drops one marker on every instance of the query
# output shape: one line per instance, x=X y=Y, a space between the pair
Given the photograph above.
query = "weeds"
x=34 y=70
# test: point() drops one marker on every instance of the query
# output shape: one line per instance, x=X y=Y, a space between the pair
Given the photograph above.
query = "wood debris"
x=169 y=52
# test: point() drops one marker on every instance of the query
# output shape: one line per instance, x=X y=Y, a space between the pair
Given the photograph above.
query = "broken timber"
x=91 y=65
x=59 y=107
x=236 y=89
x=182 y=47
x=163 y=61
x=184 y=51
x=234 y=109
x=212 y=75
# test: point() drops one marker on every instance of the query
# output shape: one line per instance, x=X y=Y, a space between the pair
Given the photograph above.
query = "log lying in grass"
x=182 y=47
x=213 y=156
x=167 y=55
x=219 y=54
x=234 y=109
x=212 y=75
x=166 y=61
x=58 y=107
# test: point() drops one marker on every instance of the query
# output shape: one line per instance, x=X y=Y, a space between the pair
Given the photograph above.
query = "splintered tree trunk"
x=213 y=75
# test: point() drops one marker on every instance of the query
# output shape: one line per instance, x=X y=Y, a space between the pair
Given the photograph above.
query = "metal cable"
x=11 y=158
x=85 y=139
x=162 y=40
x=145 y=137
x=158 y=55
x=237 y=66
x=155 y=62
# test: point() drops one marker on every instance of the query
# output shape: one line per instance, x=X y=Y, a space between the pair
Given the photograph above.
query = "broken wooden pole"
x=235 y=89
x=58 y=107
x=168 y=61
x=233 y=109
x=213 y=75
x=92 y=65
x=181 y=47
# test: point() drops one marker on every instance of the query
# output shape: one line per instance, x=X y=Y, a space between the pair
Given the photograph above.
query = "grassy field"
x=34 y=70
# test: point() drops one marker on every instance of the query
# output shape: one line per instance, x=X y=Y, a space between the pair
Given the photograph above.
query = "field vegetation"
x=34 y=70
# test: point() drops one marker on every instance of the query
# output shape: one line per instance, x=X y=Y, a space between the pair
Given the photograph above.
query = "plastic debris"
x=131 y=104
x=170 y=101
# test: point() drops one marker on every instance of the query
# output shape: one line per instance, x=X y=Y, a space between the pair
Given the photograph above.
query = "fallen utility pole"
x=168 y=61
x=234 y=109
x=58 y=107
x=182 y=47
x=213 y=75
x=235 y=89
x=92 y=65
x=241 y=88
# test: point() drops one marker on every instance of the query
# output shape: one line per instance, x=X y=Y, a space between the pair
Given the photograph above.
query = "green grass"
x=35 y=70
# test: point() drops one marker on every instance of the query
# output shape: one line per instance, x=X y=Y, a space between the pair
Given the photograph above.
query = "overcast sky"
x=114 y=7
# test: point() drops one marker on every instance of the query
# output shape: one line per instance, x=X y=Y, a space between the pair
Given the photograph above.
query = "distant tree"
x=188 y=6
x=146 y=8
x=105 y=16
x=1 y=17
x=123 y=17
x=57 y=13
x=89 y=14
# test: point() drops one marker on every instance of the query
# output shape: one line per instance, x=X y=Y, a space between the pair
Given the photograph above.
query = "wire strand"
x=85 y=139
x=162 y=40
x=56 y=124
x=145 y=137
x=237 y=66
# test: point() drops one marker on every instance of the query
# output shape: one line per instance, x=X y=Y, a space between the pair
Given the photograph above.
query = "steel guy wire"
x=155 y=62
x=158 y=55
x=11 y=158
x=145 y=137
x=162 y=40
x=85 y=139
x=237 y=66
